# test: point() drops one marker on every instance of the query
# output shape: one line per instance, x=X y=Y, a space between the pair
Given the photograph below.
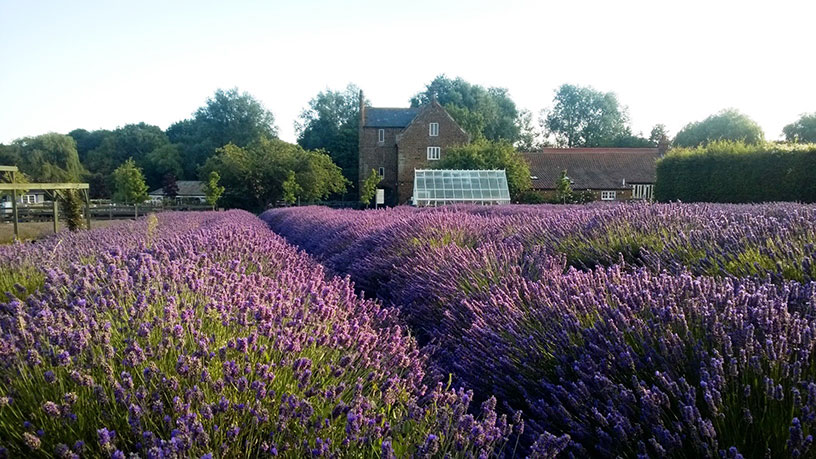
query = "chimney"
x=362 y=109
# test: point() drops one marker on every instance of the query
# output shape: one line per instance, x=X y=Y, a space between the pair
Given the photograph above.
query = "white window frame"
x=433 y=129
x=381 y=171
x=609 y=195
x=434 y=153
x=381 y=136
x=643 y=191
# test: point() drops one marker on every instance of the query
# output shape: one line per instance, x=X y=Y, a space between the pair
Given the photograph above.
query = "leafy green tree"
x=254 y=175
x=483 y=113
x=563 y=188
x=528 y=139
x=485 y=154
x=10 y=155
x=585 y=117
x=50 y=158
x=144 y=143
x=659 y=133
x=802 y=130
x=227 y=117
x=130 y=187
x=291 y=188
x=164 y=160
x=331 y=123
x=729 y=125
x=212 y=189
x=87 y=141
x=369 y=187
x=628 y=140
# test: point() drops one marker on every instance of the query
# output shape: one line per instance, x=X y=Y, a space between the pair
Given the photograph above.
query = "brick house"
x=396 y=141
x=611 y=174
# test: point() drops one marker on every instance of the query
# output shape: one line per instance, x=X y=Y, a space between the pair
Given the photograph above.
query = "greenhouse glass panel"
x=447 y=186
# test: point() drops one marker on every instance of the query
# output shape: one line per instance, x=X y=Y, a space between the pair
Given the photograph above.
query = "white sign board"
x=380 y=196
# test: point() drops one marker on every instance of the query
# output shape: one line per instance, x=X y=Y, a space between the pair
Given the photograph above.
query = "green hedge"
x=736 y=172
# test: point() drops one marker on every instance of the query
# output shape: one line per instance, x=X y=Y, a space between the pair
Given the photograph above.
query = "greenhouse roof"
x=433 y=187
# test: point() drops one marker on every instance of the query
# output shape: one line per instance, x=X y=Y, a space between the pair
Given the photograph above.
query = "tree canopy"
x=254 y=175
x=802 y=130
x=331 y=123
x=485 y=154
x=49 y=157
x=130 y=187
x=728 y=125
x=227 y=117
x=586 y=117
x=484 y=113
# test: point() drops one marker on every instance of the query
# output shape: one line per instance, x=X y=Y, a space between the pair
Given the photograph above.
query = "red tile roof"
x=592 y=168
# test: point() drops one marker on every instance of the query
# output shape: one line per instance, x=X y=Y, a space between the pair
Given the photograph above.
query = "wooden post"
x=14 y=214
x=56 y=212
x=88 y=207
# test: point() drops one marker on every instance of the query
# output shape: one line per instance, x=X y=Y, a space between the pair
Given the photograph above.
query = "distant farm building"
x=610 y=174
x=189 y=192
x=397 y=141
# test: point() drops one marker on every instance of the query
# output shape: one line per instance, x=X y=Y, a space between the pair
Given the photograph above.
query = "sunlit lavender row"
x=649 y=330
x=206 y=335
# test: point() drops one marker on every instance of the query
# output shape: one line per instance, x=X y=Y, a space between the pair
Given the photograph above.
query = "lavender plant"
x=205 y=335
x=650 y=331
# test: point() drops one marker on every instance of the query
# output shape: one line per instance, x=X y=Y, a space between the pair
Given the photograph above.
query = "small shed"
x=189 y=191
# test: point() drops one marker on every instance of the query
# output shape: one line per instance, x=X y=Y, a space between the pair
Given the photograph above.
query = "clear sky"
x=66 y=65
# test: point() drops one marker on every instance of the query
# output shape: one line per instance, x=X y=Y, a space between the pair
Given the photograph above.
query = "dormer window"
x=381 y=136
x=433 y=129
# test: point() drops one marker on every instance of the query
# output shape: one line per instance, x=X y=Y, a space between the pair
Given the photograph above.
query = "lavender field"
x=634 y=331
x=206 y=335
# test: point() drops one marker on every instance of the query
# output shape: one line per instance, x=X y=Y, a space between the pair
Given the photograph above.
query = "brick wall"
x=374 y=155
x=414 y=142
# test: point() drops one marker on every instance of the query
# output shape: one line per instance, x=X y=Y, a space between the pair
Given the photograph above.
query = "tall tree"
x=87 y=141
x=728 y=124
x=144 y=143
x=802 y=130
x=227 y=117
x=484 y=154
x=529 y=137
x=659 y=134
x=50 y=158
x=483 y=113
x=585 y=117
x=331 y=123
x=254 y=176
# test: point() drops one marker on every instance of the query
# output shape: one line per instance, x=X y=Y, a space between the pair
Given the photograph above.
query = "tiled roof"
x=390 y=117
x=592 y=168
x=186 y=188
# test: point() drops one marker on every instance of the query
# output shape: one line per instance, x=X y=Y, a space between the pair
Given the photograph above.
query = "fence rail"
x=45 y=211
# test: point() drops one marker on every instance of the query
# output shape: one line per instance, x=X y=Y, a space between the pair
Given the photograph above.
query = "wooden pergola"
x=53 y=188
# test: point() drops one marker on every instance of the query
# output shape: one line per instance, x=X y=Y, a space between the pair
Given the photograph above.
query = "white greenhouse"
x=436 y=187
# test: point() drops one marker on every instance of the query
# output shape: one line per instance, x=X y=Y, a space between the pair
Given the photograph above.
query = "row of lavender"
x=688 y=331
x=205 y=335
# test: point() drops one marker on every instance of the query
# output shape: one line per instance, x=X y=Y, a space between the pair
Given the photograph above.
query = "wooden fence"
x=45 y=212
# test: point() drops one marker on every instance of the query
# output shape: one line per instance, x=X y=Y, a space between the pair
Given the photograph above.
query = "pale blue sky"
x=65 y=65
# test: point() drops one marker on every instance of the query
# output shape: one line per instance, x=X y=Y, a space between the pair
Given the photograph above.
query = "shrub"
x=738 y=173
